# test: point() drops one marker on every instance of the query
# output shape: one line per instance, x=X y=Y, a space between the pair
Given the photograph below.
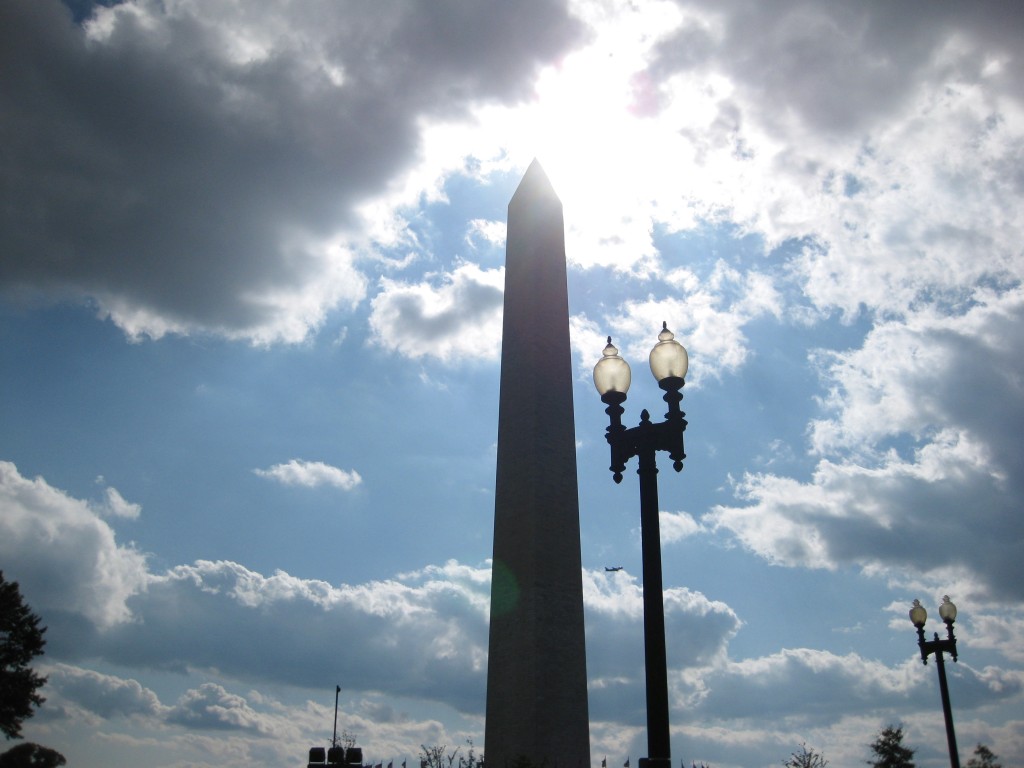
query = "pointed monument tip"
x=536 y=182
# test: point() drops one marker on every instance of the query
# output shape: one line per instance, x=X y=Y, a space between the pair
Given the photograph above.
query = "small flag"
x=337 y=689
x=604 y=763
x=626 y=764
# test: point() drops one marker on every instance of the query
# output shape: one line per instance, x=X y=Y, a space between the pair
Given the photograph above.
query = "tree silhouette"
x=439 y=757
x=472 y=759
x=432 y=757
x=889 y=750
x=806 y=758
x=21 y=640
x=29 y=755
x=983 y=758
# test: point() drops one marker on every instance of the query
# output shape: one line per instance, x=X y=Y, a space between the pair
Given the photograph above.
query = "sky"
x=251 y=275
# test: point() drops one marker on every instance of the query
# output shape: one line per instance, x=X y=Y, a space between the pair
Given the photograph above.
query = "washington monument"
x=537 y=670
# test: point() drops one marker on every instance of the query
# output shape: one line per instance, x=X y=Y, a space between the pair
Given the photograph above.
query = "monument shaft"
x=537 y=675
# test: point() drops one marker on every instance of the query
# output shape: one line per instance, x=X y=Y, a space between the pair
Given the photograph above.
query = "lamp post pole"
x=334 y=736
x=947 y=611
x=669 y=363
x=655 y=659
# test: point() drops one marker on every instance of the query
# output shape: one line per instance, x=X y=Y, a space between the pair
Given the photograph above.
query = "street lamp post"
x=918 y=616
x=669 y=363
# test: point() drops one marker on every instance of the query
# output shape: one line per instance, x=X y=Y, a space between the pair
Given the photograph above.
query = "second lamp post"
x=669 y=363
x=947 y=612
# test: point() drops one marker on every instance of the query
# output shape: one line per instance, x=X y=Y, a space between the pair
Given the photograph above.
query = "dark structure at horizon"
x=537 y=673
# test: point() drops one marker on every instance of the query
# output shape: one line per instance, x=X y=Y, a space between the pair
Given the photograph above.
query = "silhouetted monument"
x=537 y=670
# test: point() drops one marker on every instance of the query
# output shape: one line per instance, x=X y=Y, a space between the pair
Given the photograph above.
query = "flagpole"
x=334 y=737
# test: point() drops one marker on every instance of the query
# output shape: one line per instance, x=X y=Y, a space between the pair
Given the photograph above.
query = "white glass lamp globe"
x=918 y=615
x=669 y=357
x=611 y=374
x=947 y=610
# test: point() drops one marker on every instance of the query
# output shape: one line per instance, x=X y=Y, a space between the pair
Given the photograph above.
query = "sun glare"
x=620 y=151
x=599 y=130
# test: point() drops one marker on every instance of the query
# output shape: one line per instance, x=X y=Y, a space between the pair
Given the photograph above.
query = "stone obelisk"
x=537 y=670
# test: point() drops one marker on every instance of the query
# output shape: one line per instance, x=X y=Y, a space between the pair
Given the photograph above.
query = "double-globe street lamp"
x=669 y=363
x=918 y=616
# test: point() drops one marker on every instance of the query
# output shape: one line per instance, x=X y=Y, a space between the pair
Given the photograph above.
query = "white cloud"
x=428 y=628
x=707 y=318
x=210 y=707
x=902 y=185
x=921 y=444
x=212 y=724
x=697 y=630
x=490 y=232
x=930 y=371
x=870 y=122
x=998 y=629
x=457 y=316
x=423 y=635
x=587 y=339
x=311 y=474
x=116 y=506
x=65 y=557
x=804 y=683
x=848 y=514
x=676 y=526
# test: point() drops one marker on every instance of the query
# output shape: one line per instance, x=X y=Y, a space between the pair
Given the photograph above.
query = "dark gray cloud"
x=415 y=636
x=839 y=68
x=421 y=635
x=925 y=466
x=105 y=695
x=399 y=639
x=697 y=632
x=186 y=171
x=805 y=684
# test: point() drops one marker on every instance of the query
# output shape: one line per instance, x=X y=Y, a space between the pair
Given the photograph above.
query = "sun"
x=614 y=145
x=612 y=152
